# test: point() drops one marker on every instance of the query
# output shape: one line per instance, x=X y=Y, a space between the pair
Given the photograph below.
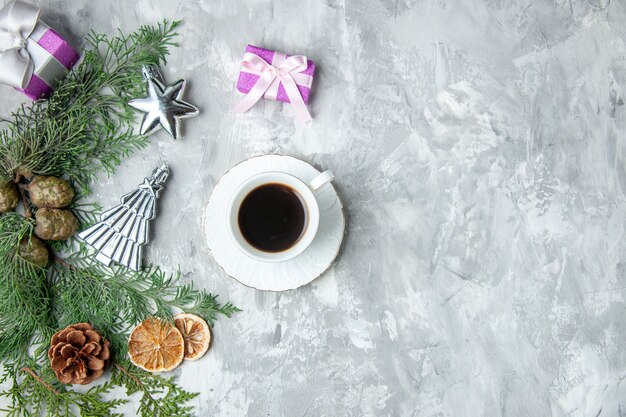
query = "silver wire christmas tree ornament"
x=164 y=106
x=123 y=230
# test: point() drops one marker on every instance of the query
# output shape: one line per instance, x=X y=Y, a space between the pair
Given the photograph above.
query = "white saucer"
x=279 y=276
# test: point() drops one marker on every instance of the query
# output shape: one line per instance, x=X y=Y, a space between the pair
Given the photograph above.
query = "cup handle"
x=321 y=180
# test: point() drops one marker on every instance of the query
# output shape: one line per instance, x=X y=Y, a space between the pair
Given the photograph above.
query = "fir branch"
x=160 y=397
x=37 y=378
x=31 y=394
x=84 y=128
x=24 y=299
x=86 y=213
x=86 y=125
x=115 y=299
x=201 y=303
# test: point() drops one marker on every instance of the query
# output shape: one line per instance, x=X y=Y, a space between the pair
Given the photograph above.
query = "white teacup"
x=305 y=193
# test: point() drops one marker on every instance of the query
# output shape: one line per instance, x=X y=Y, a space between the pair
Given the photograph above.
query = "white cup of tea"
x=274 y=216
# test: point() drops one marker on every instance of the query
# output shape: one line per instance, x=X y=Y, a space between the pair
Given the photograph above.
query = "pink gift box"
x=33 y=57
x=52 y=57
x=247 y=80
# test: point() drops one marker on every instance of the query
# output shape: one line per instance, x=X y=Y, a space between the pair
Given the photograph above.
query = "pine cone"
x=8 y=197
x=34 y=251
x=51 y=192
x=55 y=224
x=78 y=354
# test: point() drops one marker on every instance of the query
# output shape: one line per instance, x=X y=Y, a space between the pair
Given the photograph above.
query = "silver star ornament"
x=164 y=106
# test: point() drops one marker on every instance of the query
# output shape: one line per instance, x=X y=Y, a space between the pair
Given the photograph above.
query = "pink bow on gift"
x=286 y=71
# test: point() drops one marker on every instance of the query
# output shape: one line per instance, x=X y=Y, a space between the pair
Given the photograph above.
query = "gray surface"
x=479 y=150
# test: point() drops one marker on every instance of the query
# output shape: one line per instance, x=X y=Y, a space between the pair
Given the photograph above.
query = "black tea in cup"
x=272 y=217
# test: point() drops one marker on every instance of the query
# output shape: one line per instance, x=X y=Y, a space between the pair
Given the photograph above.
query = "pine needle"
x=86 y=125
x=85 y=128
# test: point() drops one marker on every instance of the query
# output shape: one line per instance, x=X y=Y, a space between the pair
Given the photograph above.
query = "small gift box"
x=275 y=76
x=33 y=57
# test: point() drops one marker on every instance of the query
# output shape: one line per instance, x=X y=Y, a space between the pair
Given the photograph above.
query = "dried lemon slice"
x=156 y=345
x=196 y=333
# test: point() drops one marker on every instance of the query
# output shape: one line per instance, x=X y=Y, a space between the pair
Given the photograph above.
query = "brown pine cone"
x=51 y=192
x=8 y=197
x=55 y=224
x=34 y=251
x=78 y=354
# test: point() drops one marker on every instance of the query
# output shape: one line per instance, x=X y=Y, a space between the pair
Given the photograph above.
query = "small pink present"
x=275 y=76
x=33 y=57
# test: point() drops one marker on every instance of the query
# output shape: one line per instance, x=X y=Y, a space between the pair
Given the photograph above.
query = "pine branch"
x=160 y=397
x=201 y=303
x=84 y=128
x=24 y=299
x=86 y=125
x=115 y=299
x=40 y=380
x=32 y=393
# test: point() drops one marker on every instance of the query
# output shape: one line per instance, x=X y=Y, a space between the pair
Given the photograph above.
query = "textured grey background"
x=479 y=150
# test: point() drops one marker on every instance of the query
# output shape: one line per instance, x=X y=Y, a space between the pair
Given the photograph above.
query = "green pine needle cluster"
x=114 y=299
x=84 y=129
x=87 y=124
x=33 y=395
x=24 y=295
x=160 y=397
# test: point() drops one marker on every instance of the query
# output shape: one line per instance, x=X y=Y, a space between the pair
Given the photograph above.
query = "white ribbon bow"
x=17 y=22
x=286 y=71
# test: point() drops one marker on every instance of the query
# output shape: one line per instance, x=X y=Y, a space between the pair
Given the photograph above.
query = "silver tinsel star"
x=164 y=106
